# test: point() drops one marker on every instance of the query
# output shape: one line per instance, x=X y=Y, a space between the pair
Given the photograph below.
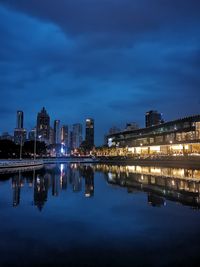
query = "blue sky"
x=111 y=60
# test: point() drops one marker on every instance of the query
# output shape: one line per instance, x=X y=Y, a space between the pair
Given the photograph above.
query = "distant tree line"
x=8 y=149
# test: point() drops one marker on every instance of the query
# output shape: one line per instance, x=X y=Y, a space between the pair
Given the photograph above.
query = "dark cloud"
x=110 y=59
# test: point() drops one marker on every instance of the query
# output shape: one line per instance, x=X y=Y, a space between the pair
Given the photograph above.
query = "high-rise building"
x=77 y=135
x=20 y=119
x=6 y=136
x=57 y=139
x=153 y=117
x=20 y=132
x=32 y=134
x=43 y=125
x=114 y=130
x=51 y=136
x=19 y=136
x=89 y=133
x=70 y=144
x=131 y=126
x=64 y=135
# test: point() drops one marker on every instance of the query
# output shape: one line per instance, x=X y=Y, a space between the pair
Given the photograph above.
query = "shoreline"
x=170 y=161
x=19 y=164
x=186 y=162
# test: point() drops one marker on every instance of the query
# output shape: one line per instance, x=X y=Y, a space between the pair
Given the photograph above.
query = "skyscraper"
x=20 y=119
x=64 y=135
x=51 y=136
x=89 y=133
x=31 y=134
x=20 y=132
x=153 y=117
x=77 y=135
x=43 y=125
x=57 y=139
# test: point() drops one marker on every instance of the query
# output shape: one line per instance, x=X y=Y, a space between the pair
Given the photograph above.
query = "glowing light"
x=177 y=147
x=155 y=148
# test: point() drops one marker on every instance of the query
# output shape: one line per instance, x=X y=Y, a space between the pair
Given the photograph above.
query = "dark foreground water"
x=100 y=215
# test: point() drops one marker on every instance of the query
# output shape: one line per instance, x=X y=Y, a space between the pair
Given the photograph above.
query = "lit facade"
x=77 y=135
x=89 y=133
x=153 y=118
x=19 y=136
x=64 y=135
x=20 y=119
x=43 y=125
x=178 y=137
x=57 y=136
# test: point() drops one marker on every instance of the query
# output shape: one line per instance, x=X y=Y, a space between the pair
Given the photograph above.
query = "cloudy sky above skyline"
x=108 y=59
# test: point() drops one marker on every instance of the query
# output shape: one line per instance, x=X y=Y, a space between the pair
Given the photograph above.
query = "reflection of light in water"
x=62 y=150
x=62 y=169
x=111 y=176
x=38 y=179
x=62 y=173
x=155 y=170
x=178 y=172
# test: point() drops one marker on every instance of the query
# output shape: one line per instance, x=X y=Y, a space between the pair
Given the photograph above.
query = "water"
x=100 y=215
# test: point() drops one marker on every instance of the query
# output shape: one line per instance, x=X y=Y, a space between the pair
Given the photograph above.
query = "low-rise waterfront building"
x=177 y=137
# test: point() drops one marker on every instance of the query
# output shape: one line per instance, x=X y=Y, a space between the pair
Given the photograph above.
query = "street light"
x=35 y=143
x=20 y=153
x=35 y=139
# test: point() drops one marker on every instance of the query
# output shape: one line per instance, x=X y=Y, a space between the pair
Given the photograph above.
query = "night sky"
x=111 y=60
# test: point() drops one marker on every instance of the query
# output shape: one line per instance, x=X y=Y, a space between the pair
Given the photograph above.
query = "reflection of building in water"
x=16 y=186
x=55 y=184
x=177 y=137
x=76 y=181
x=155 y=201
x=40 y=191
x=176 y=184
x=88 y=173
x=63 y=177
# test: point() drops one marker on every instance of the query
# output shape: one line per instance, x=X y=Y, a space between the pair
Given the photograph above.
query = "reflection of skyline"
x=55 y=178
x=40 y=191
x=87 y=173
x=16 y=187
x=159 y=183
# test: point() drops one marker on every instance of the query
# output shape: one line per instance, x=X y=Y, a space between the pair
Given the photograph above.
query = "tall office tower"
x=89 y=133
x=51 y=136
x=20 y=132
x=70 y=143
x=19 y=136
x=77 y=135
x=43 y=125
x=152 y=118
x=131 y=126
x=64 y=135
x=31 y=134
x=57 y=132
x=20 y=119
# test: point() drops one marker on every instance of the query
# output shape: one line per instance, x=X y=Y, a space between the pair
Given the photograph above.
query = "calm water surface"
x=100 y=215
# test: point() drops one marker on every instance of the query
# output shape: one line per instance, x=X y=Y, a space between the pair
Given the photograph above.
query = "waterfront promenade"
x=13 y=164
x=9 y=163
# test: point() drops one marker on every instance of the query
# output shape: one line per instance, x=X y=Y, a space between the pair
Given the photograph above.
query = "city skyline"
x=111 y=61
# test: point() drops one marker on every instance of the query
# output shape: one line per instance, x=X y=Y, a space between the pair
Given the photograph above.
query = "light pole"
x=20 y=153
x=35 y=141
